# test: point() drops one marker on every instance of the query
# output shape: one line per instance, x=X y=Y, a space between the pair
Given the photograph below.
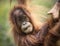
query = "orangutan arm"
x=53 y=35
x=56 y=29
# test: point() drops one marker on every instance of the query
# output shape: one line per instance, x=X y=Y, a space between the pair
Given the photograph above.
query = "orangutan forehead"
x=18 y=11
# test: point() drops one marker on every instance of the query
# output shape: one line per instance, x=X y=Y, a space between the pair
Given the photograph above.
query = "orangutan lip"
x=26 y=27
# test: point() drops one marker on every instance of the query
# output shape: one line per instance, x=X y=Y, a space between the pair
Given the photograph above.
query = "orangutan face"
x=22 y=21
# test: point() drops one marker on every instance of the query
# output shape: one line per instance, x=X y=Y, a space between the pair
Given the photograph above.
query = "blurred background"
x=5 y=7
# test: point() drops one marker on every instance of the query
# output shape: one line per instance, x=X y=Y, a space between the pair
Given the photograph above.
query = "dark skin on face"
x=20 y=16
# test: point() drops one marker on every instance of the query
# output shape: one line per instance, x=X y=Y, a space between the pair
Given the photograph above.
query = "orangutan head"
x=21 y=20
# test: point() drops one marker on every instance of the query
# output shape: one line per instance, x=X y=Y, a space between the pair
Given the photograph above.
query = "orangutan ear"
x=54 y=11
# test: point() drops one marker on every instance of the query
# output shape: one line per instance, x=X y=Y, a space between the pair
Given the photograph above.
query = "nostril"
x=24 y=23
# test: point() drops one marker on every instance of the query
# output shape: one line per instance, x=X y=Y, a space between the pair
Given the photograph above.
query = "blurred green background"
x=5 y=7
